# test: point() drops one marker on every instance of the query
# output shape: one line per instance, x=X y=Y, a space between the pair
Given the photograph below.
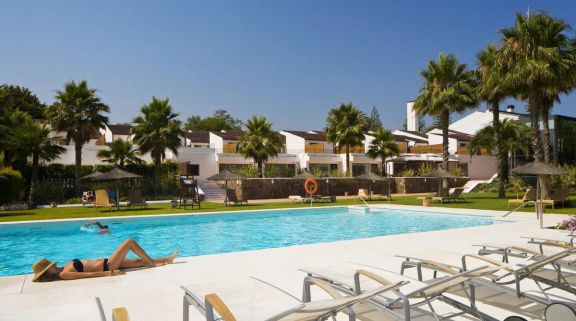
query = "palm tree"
x=449 y=87
x=383 y=146
x=7 y=124
x=120 y=152
x=31 y=140
x=156 y=131
x=491 y=90
x=513 y=136
x=259 y=142
x=78 y=112
x=345 y=127
x=541 y=65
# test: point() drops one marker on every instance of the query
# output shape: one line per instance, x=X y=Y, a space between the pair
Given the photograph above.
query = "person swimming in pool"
x=45 y=270
x=102 y=229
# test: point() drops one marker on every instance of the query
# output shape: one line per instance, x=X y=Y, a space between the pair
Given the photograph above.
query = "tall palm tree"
x=513 y=136
x=541 y=65
x=155 y=131
x=31 y=140
x=7 y=124
x=120 y=152
x=345 y=127
x=78 y=112
x=383 y=146
x=259 y=142
x=491 y=90
x=449 y=87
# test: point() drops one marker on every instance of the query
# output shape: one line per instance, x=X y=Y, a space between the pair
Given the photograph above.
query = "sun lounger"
x=296 y=199
x=559 y=195
x=135 y=199
x=356 y=278
x=529 y=196
x=102 y=199
x=231 y=197
x=252 y=299
x=452 y=197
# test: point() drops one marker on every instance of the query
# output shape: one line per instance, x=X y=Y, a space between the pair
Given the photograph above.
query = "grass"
x=479 y=201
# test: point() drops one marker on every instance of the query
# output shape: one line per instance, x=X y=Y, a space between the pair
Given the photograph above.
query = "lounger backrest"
x=547 y=260
x=457 y=192
x=135 y=196
x=443 y=285
x=362 y=193
x=102 y=197
x=530 y=195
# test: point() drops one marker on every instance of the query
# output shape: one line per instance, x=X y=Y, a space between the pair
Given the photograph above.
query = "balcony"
x=427 y=149
x=356 y=150
x=317 y=149
x=230 y=149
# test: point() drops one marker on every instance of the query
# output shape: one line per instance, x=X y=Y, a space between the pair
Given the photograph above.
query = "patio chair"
x=252 y=299
x=353 y=278
x=296 y=199
x=452 y=197
x=559 y=195
x=231 y=197
x=135 y=199
x=102 y=199
x=529 y=196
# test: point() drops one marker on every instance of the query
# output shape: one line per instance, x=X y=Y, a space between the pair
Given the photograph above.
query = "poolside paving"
x=154 y=294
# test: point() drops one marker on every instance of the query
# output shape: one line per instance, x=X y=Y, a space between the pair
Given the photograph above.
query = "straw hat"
x=40 y=267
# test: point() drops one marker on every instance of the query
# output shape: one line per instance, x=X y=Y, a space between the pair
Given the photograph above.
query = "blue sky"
x=290 y=61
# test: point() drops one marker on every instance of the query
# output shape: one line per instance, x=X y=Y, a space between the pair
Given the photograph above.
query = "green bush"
x=12 y=189
x=250 y=171
x=47 y=192
x=424 y=169
x=408 y=173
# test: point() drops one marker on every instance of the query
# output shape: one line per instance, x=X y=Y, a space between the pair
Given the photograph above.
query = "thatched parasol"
x=226 y=176
x=538 y=168
x=116 y=174
x=305 y=175
x=90 y=176
x=371 y=177
x=441 y=174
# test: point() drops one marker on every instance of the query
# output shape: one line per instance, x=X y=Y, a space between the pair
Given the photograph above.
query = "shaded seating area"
x=135 y=199
x=529 y=196
x=456 y=195
x=231 y=197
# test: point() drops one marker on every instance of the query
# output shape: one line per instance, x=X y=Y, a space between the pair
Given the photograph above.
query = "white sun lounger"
x=355 y=278
x=252 y=299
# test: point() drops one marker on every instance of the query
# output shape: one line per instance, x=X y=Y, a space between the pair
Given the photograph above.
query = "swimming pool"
x=22 y=244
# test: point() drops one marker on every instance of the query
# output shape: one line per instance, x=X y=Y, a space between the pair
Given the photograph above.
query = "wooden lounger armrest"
x=487 y=260
x=560 y=244
x=213 y=301
x=120 y=314
x=524 y=250
x=439 y=267
x=323 y=285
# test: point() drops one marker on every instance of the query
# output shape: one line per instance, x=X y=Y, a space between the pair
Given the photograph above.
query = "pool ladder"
x=519 y=207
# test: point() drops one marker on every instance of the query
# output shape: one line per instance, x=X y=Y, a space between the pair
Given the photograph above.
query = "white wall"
x=412 y=118
x=205 y=157
x=436 y=139
x=217 y=143
x=480 y=166
x=294 y=144
x=477 y=120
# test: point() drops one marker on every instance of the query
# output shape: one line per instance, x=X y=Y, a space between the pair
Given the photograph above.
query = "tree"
x=541 y=65
x=513 y=136
x=7 y=124
x=78 y=112
x=155 y=131
x=491 y=90
x=120 y=152
x=259 y=142
x=31 y=140
x=383 y=146
x=220 y=120
x=15 y=97
x=374 y=122
x=449 y=87
x=345 y=127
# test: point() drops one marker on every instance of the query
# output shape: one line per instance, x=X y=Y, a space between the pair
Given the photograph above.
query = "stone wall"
x=267 y=188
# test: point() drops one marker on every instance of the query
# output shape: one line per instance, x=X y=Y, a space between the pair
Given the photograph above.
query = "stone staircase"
x=212 y=192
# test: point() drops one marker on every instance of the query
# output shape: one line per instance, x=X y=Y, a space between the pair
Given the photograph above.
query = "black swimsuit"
x=80 y=267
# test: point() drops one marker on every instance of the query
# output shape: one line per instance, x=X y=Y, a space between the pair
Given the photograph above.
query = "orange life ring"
x=311 y=186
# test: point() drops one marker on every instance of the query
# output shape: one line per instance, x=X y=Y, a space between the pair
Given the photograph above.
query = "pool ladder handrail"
x=363 y=201
x=519 y=207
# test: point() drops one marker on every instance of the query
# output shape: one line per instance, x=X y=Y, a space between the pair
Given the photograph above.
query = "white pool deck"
x=155 y=294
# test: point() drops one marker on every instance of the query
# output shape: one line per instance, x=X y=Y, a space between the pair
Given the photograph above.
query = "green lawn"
x=482 y=201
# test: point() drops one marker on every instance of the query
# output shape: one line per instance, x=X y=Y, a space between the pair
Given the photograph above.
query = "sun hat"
x=40 y=267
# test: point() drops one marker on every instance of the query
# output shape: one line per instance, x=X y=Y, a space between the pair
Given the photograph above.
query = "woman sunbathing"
x=45 y=270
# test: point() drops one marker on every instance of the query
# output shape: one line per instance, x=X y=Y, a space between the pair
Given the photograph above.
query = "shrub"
x=250 y=171
x=568 y=224
x=408 y=173
x=11 y=190
x=48 y=191
x=458 y=172
x=424 y=169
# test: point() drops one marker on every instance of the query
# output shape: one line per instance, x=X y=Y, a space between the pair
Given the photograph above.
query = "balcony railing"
x=230 y=149
x=316 y=149
x=433 y=149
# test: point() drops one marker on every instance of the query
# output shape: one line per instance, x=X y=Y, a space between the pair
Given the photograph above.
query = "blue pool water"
x=22 y=244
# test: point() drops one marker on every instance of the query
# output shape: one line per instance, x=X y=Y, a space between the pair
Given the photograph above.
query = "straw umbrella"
x=371 y=177
x=226 y=176
x=538 y=168
x=441 y=175
x=116 y=174
x=90 y=176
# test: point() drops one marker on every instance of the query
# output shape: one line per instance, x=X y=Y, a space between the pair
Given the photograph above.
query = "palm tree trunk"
x=545 y=113
x=348 y=160
x=535 y=128
x=33 y=182
x=500 y=153
x=77 y=166
x=157 y=163
x=445 y=119
x=384 y=166
x=260 y=167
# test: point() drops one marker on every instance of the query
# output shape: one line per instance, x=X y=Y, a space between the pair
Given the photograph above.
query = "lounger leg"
x=186 y=310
